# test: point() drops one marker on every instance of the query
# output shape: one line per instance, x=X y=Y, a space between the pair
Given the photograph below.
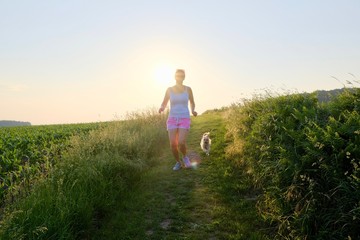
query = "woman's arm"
x=165 y=101
x=192 y=102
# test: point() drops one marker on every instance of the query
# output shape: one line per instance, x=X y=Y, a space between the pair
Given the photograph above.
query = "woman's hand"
x=194 y=113
x=161 y=109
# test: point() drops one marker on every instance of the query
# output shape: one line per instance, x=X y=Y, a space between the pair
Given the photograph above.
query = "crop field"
x=58 y=180
x=29 y=152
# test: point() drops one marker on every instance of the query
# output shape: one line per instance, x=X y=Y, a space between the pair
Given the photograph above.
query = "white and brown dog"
x=205 y=143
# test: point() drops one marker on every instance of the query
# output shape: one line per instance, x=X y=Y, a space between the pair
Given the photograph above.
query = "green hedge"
x=305 y=157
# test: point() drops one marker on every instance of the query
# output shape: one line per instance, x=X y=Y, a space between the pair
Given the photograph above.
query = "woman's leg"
x=174 y=140
x=183 y=133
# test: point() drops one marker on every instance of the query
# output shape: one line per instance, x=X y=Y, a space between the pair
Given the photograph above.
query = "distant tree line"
x=326 y=96
x=10 y=123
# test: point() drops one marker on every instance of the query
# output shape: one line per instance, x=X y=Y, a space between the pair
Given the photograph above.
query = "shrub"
x=305 y=158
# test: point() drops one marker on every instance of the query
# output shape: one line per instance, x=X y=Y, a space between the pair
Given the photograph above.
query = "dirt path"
x=193 y=203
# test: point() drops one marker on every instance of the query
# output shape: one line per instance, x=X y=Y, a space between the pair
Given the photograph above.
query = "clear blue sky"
x=84 y=61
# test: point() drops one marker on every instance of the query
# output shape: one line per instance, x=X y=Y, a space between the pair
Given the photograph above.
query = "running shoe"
x=187 y=162
x=177 y=166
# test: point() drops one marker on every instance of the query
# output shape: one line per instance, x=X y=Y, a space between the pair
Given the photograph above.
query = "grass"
x=210 y=202
x=118 y=183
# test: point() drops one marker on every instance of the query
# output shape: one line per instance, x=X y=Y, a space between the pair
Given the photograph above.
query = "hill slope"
x=10 y=123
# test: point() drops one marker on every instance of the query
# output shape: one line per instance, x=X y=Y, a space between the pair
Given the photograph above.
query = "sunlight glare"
x=194 y=165
x=164 y=74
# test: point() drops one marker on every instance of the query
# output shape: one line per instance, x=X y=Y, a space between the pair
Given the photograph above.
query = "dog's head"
x=206 y=137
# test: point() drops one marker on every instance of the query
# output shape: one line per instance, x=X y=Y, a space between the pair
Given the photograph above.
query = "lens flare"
x=195 y=160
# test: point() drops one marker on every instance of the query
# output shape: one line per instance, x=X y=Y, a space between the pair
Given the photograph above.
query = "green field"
x=282 y=167
x=29 y=152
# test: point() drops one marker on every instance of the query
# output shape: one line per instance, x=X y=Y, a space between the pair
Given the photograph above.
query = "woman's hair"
x=180 y=71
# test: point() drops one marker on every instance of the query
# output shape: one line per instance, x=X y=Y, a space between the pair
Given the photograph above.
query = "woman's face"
x=179 y=76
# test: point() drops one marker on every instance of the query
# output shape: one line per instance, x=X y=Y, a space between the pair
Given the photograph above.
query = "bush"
x=305 y=158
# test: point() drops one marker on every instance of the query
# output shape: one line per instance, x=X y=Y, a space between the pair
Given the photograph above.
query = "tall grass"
x=28 y=152
x=93 y=175
x=304 y=156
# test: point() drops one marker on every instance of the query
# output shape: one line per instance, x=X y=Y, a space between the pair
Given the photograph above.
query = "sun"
x=164 y=74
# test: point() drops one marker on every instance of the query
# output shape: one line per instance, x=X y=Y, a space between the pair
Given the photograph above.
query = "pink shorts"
x=174 y=123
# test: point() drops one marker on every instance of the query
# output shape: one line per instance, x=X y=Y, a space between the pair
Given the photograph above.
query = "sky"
x=73 y=61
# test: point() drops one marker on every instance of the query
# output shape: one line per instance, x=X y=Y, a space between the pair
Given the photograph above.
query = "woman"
x=178 y=123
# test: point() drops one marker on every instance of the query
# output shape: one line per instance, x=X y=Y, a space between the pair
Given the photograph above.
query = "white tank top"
x=179 y=104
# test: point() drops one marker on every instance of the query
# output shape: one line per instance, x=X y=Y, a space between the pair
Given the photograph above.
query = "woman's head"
x=180 y=75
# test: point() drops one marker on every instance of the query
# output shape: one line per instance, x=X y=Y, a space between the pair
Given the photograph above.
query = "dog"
x=205 y=143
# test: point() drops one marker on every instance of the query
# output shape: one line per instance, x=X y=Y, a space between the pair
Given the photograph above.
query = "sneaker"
x=177 y=166
x=187 y=162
